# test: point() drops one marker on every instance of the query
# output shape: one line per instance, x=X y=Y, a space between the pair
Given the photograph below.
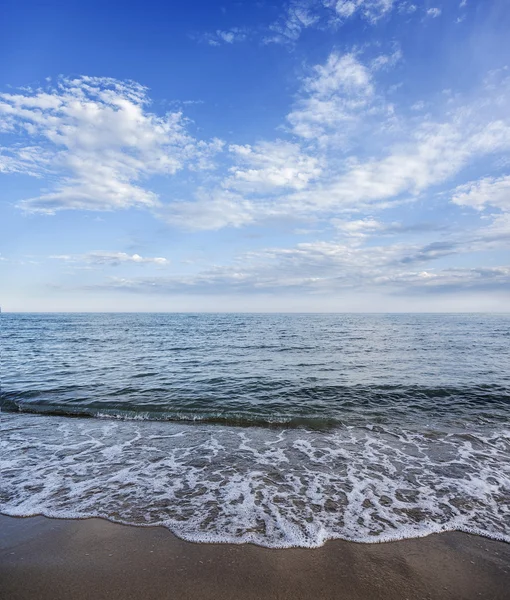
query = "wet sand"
x=51 y=559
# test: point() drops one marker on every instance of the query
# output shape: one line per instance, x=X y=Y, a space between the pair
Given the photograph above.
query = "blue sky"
x=316 y=155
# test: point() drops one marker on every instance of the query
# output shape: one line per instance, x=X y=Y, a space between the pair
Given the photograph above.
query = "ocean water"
x=279 y=430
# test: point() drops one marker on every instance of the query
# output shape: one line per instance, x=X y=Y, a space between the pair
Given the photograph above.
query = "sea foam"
x=274 y=488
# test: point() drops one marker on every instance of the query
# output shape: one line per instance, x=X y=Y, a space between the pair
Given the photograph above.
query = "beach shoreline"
x=93 y=558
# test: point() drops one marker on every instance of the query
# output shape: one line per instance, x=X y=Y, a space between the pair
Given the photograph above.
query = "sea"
x=280 y=430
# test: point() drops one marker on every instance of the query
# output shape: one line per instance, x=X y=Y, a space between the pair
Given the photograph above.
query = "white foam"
x=272 y=488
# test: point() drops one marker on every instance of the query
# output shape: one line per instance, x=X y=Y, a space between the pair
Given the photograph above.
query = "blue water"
x=282 y=430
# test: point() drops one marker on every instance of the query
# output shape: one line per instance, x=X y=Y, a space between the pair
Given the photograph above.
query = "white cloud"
x=341 y=73
x=269 y=165
x=346 y=8
x=318 y=178
x=229 y=36
x=499 y=228
x=488 y=191
x=297 y=16
x=91 y=193
x=384 y=61
x=29 y=160
x=358 y=228
x=335 y=94
x=434 y=153
x=99 y=141
x=111 y=259
x=100 y=144
x=324 y=267
x=371 y=10
x=433 y=12
x=417 y=106
x=451 y=279
x=210 y=210
x=232 y=35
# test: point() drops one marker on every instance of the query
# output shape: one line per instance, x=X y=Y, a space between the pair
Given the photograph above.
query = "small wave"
x=263 y=403
x=285 y=488
x=233 y=419
x=293 y=542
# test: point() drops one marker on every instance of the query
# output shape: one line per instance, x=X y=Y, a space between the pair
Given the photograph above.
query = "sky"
x=302 y=156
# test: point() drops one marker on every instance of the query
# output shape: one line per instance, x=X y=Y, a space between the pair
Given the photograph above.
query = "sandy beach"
x=51 y=559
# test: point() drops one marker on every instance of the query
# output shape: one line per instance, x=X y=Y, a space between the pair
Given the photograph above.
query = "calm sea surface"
x=281 y=430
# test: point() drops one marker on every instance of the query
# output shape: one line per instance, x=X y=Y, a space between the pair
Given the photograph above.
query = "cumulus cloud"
x=253 y=189
x=98 y=139
x=99 y=144
x=335 y=94
x=498 y=230
x=434 y=153
x=314 y=176
x=489 y=191
x=269 y=165
x=423 y=154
